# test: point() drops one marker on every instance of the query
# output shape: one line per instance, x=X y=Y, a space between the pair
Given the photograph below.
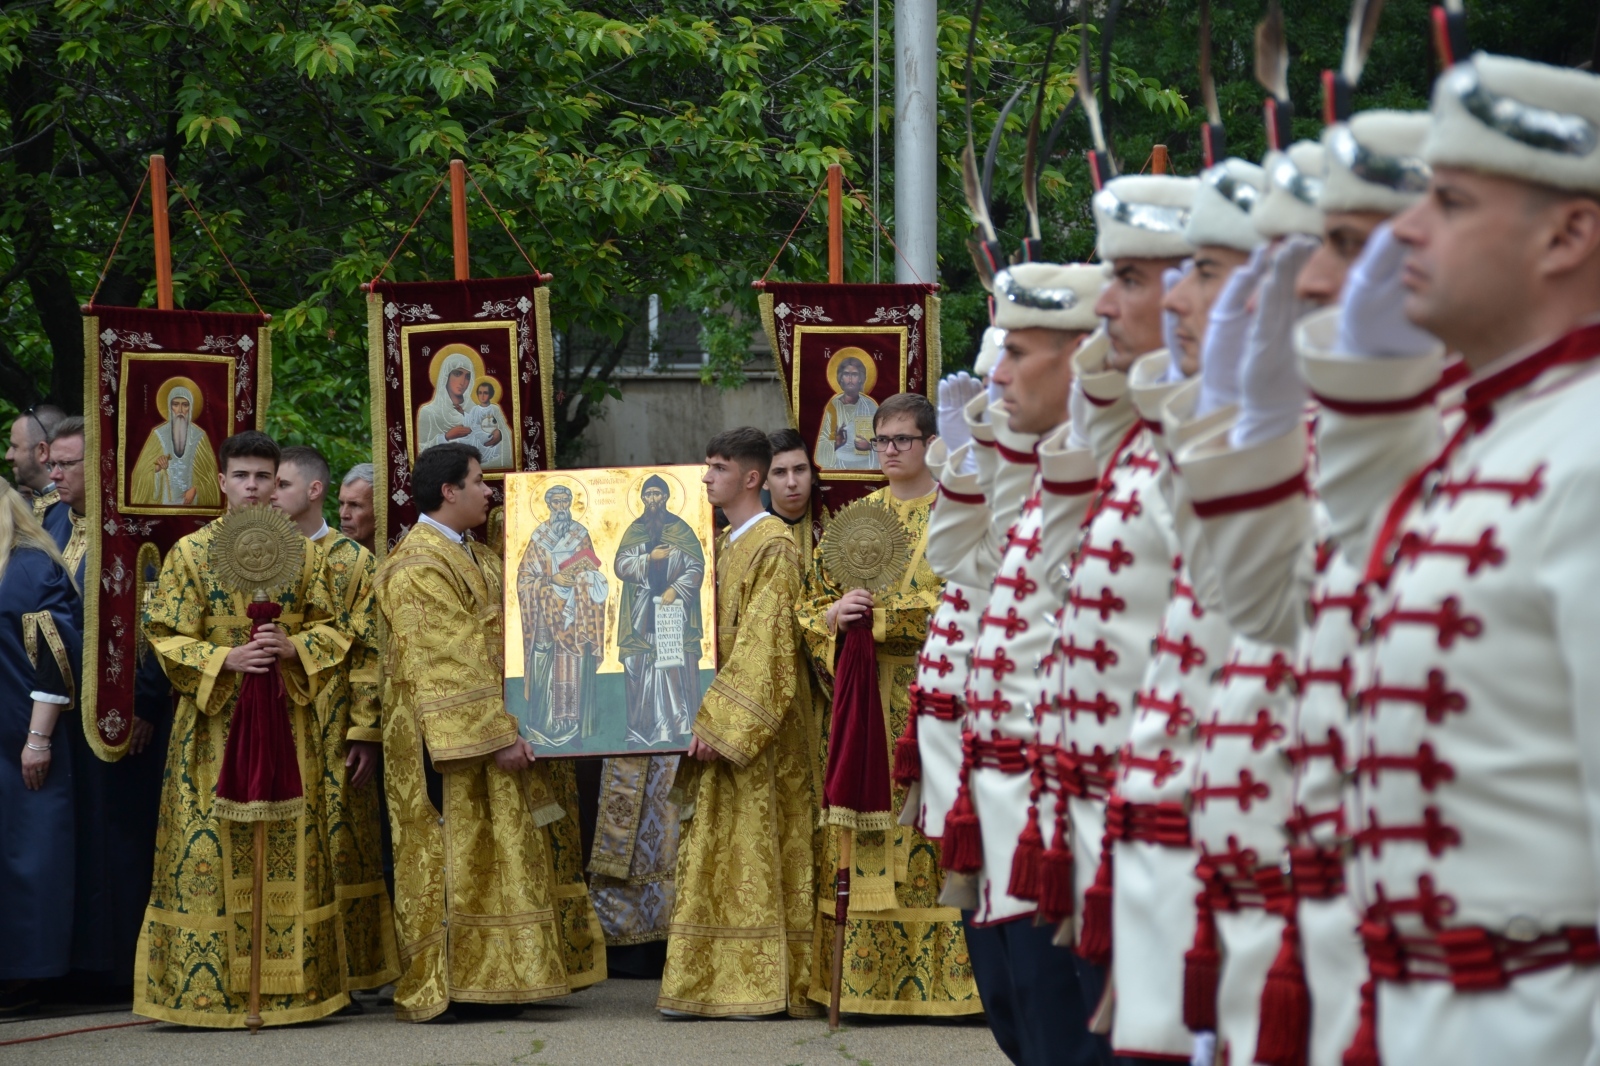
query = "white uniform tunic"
x=1478 y=753
x=1120 y=584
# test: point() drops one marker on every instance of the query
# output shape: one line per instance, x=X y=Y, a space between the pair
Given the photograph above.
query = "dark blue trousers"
x=1038 y=997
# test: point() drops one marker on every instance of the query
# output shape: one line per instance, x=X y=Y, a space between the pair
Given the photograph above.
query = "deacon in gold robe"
x=193 y=962
x=490 y=905
x=740 y=940
x=904 y=953
x=352 y=739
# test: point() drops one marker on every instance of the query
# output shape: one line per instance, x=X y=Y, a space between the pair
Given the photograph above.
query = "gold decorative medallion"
x=257 y=549
x=865 y=547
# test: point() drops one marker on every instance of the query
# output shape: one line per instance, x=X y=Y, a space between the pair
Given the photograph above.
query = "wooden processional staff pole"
x=458 y=216
x=841 y=884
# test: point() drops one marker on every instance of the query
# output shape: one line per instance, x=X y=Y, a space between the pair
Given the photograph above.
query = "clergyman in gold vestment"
x=193 y=961
x=904 y=953
x=489 y=907
x=740 y=939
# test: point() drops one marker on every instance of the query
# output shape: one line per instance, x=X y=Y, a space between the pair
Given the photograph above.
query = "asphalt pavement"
x=612 y=1024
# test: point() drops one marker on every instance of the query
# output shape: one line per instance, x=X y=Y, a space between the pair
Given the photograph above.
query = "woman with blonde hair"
x=39 y=650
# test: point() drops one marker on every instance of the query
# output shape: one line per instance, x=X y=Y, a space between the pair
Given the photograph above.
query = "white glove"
x=1078 y=414
x=1226 y=330
x=1169 y=321
x=954 y=392
x=1272 y=394
x=1205 y=1050
x=1373 y=323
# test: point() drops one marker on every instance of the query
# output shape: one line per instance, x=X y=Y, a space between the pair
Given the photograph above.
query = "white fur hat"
x=1374 y=162
x=1048 y=295
x=1143 y=216
x=994 y=340
x=1522 y=120
x=1294 y=187
x=1227 y=194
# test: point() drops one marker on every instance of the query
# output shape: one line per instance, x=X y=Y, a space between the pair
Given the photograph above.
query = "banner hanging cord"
x=872 y=215
x=385 y=269
x=787 y=239
x=218 y=245
x=513 y=236
x=106 y=269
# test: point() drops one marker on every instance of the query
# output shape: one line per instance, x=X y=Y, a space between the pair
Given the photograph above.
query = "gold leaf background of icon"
x=605 y=501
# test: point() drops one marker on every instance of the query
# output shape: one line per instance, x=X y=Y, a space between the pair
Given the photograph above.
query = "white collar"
x=319 y=534
x=441 y=527
x=735 y=534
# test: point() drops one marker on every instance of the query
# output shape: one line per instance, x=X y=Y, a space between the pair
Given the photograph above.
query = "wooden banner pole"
x=841 y=917
x=158 y=218
x=458 y=216
x=258 y=904
x=835 y=224
x=1158 y=159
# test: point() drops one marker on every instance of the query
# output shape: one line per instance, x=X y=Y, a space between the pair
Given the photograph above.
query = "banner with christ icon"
x=841 y=350
x=610 y=608
x=162 y=391
x=458 y=361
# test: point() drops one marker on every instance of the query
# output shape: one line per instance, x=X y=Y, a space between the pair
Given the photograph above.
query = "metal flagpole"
x=916 y=146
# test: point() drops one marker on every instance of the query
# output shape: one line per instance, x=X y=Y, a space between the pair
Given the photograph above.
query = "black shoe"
x=18 y=997
x=487 y=1012
x=352 y=1008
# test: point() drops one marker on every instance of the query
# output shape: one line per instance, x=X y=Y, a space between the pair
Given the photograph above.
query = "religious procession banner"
x=840 y=351
x=162 y=391
x=610 y=608
x=466 y=361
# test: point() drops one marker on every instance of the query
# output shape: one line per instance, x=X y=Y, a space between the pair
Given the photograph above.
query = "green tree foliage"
x=662 y=146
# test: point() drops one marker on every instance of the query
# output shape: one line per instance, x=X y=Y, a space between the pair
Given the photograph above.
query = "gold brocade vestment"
x=348 y=710
x=193 y=961
x=903 y=954
x=490 y=904
x=740 y=939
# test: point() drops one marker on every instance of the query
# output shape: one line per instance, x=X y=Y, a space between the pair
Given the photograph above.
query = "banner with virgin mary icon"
x=840 y=351
x=162 y=391
x=458 y=361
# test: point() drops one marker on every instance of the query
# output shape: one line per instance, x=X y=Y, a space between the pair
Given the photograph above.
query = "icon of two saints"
x=562 y=587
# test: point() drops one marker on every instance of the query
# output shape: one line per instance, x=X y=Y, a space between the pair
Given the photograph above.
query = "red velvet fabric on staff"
x=856 y=789
x=260 y=776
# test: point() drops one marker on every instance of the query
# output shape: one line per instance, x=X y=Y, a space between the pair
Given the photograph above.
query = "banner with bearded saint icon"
x=162 y=391
x=840 y=351
x=458 y=361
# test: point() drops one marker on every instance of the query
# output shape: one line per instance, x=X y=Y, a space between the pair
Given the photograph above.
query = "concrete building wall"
x=667 y=417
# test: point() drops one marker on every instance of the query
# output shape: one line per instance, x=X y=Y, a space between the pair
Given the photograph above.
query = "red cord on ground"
x=75 y=1032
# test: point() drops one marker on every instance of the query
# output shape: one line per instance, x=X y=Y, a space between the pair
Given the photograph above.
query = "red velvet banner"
x=466 y=361
x=162 y=391
x=840 y=351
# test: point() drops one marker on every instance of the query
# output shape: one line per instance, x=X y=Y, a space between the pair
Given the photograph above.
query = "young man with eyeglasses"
x=27 y=452
x=116 y=804
x=908 y=946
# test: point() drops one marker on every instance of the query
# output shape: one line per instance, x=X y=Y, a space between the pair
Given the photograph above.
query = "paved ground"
x=612 y=1024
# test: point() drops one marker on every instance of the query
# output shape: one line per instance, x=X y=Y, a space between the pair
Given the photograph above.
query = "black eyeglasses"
x=898 y=443
x=56 y=464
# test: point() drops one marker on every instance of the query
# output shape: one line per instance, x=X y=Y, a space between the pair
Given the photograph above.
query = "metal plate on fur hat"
x=1523 y=120
x=1294 y=192
x=1227 y=194
x=1374 y=162
x=1048 y=296
x=1143 y=216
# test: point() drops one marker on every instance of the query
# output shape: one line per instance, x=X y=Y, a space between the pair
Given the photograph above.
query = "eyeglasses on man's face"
x=898 y=443
x=59 y=464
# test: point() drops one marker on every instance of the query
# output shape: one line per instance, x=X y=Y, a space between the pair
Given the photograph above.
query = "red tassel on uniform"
x=1094 y=936
x=1056 y=875
x=1363 y=1050
x=907 y=758
x=963 y=842
x=1201 y=966
x=1027 y=860
x=1285 y=1035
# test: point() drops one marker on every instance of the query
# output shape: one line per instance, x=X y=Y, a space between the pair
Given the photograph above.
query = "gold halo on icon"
x=455 y=349
x=166 y=390
x=533 y=503
x=861 y=356
x=675 y=495
x=492 y=382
